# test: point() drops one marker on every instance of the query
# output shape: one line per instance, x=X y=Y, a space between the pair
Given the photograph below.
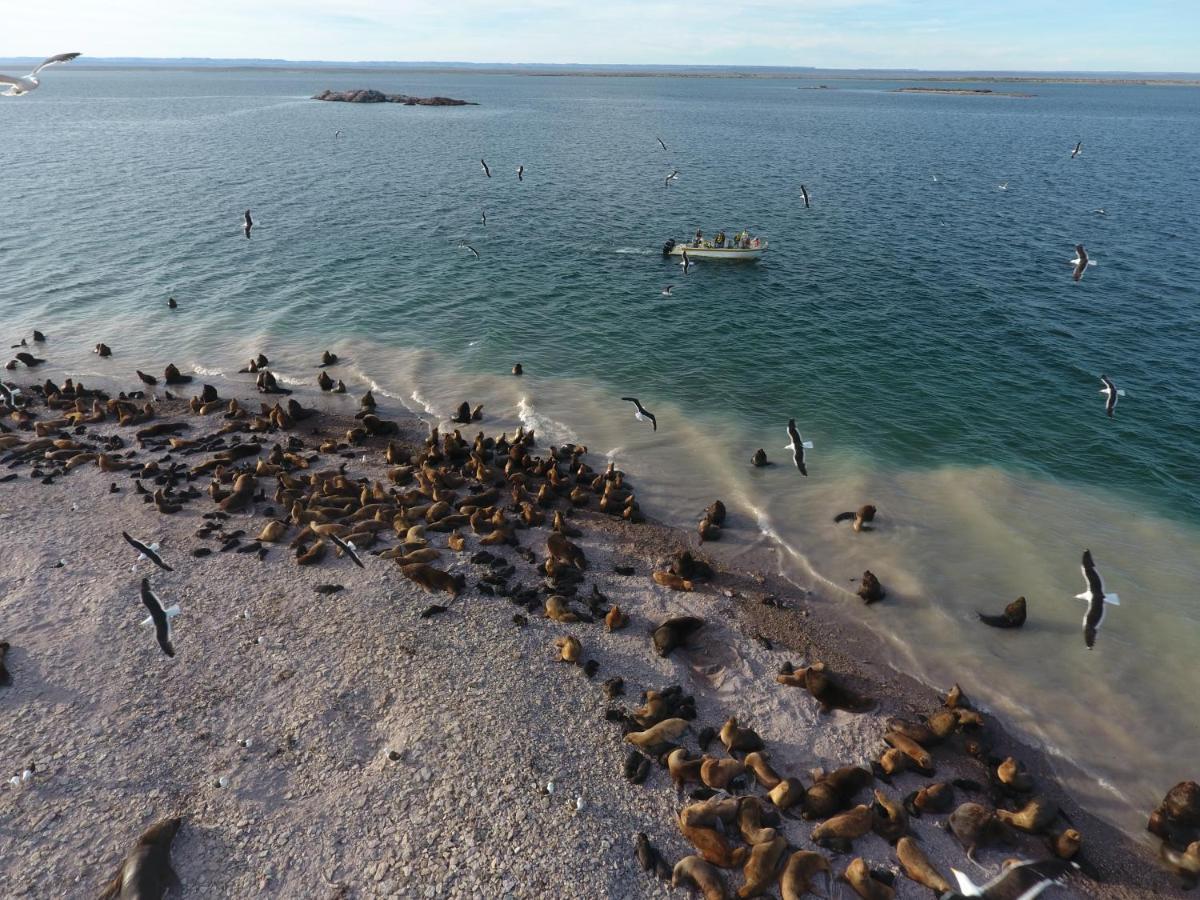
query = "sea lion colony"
x=737 y=810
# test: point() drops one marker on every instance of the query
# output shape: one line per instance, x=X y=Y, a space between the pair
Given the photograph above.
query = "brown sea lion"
x=802 y=867
x=664 y=731
x=518 y=369
x=891 y=821
x=564 y=551
x=434 y=579
x=788 y=793
x=918 y=868
x=1176 y=819
x=146 y=872
x=273 y=531
x=910 y=748
x=860 y=877
x=762 y=866
x=5 y=678
x=172 y=375
x=324 y=382
x=933 y=798
x=834 y=791
x=830 y=693
x=1066 y=844
x=672 y=581
x=699 y=824
x=558 y=610
x=763 y=773
x=103 y=350
x=1185 y=864
x=569 y=649
x=1012 y=775
x=864 y=515
x=975 y=825
x=759 y=459
x=682 y=769
x=1033 y=818
x=736 y=739
x=615 y=620
x=720 y=773
x=695 y=872
x=750 y=823
x=955 y=698
x=870 y=589
x=838 y=832
x=328 y=359
x=674 y=633
x=1012 y=617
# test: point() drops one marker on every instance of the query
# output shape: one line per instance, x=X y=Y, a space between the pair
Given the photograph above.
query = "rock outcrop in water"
x=371 y=96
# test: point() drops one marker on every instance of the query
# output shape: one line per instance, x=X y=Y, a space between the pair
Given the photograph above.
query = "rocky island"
x=371 y=96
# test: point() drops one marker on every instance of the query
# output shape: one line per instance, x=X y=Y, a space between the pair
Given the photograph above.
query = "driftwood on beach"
x=373 y=96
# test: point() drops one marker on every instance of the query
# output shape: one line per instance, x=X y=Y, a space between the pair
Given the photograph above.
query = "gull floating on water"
x=1080 y=262
x=797 y=446
x=160 y=617
x=1096 y=598
x=1111 y=390
x=25 y=83
x=642 y=414
x=1078 y=149
x=247 y=224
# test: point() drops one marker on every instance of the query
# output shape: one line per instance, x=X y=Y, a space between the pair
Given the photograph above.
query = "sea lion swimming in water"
x=759 y=459
x=146 y=872
x=864 y=515
x=102 y=350
x=518 y=370
x=1012 y=617
x=870 y=589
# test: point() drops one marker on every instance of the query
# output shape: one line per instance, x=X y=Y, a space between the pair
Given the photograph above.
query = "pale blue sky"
x=1090 y=35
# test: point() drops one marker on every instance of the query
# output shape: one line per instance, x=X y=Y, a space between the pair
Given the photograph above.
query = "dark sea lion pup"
x=864 y=515
x=146 y=872
x=1012 y=617
x=870 y=589
x=760 y=459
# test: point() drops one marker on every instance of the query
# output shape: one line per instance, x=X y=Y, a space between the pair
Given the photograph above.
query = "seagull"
x=804 y=194
x=486 y=170
x=484 y=211
x=660 y=143
x=26 y=83
x=247 y=224
x=672 y=177
x=1078 y=149
x=1096 y=599
x=146 y=551
x=1100 y=212
x=160 y=617
x=666 y=292
x=1022 y=881
x=520 y=173
x=1080 y=262
x=1111 y=390
x=797 y=446
x=348 y=549
x=337 y=134
x=469 y=247
x=687 y=263
x=9 y=395
x=642 y=415
x=1003 y=186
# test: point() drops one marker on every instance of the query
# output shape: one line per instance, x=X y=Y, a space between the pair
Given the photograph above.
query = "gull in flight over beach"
x=247 y=224
x=486 y=170
x=160 y=617
x=469 y=247
x=642 y=414
x=660 y=143
x=1096 y=598
x=146 y=551
x=674 y=176
x=1021 y=881
x=26 y=83
x=1078 y=150
x=804 y=194
x=1080 y=262
x=1111 y=390
x=348 y=548
x=797 y=446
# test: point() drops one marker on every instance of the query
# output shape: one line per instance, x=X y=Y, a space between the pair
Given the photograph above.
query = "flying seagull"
x=486 y=170
x=1022 y=881
x=1111 y=390
x=484 y=211
x=520 y=173
x=337 y=134
x=26 y=83
x=687 y=263
x=804 y=194
x=666 y=292
x=147 y=551
x=672 y=177
x=160 y=617
x=1003 y=186
x=1096 y=599
x=1080 y=262
x=660 y=143
x=247 y=224
x=1078 y=149
x=642 y=415
x=348 y=549
x=797 y=446
x=469 y=247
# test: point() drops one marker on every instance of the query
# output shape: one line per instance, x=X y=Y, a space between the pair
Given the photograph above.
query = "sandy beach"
x=342 y=745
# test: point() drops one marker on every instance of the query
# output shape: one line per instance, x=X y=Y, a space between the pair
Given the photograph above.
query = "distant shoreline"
x=967 y=92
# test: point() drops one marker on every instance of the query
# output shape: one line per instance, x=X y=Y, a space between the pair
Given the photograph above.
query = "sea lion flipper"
x=843 y=516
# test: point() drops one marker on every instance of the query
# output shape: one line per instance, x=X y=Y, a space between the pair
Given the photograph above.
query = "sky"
x=1025 y=35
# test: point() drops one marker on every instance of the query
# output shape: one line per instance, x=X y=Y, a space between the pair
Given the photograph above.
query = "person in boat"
x=699 y=238
x=719 y=240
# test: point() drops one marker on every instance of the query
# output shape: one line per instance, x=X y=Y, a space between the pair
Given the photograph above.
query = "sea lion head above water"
x=518 y=370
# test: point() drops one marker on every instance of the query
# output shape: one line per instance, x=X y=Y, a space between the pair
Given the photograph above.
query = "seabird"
x=484 y=212
x=642 y=415
x=147 y=551
x=660 y=143
x=469 y=247
x=1003 y=186
x=674 y=175
x=486 y=170
x=160 y=617
x=1100 y=212
x=666 y=292
x=26 y=83
x=520 y=173
x=247 y=224
x=1078 y=149
x=337 y=134
x=1096 y=599
x=1022 y=881
x=1111 y=390
x=797 y=446
x=687 y=263
x=348 y=549
x=1080 y=262
x=804 y=194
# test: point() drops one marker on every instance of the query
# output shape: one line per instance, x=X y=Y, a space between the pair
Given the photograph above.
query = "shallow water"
x=925 y=333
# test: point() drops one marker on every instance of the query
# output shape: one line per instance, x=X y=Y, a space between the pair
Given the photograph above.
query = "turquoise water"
x=918 y=321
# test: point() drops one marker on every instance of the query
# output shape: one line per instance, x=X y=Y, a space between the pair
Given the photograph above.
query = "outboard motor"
x=668 y=247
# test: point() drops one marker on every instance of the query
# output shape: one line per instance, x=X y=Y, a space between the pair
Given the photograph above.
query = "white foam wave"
x=208 y=373
x=423 y=403
x=553 y=430
x=289 y=379
x=635 y=251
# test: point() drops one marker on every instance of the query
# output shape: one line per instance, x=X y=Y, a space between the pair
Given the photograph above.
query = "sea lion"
x=955 y=698
x=273 y=531
x=172 y=303
x=787 y=793
x=564 y=551
x=1066 y=844
x=1185 y=864
x=974 y=825
x=324 y=382
x=146 y=379
x=463 y=414
x=103 y=350
x=1033 y=818
x=681 y=768
x=518 y=370
x=172 y=375
x=759 y=459
x=146 y=872
x=918 y=868
x=1175 y=820
x=434 y=580
x=699 y=823
x=916 y=731
x=1012 y=775
x=5 y=678
x=870 y=589
x=696 y=872
x=328 y=359
x=38 y=337
x=830 y=693
x=29 y=359
x=763 y=773
x=762 y=866
x=735 y=739
x=750 y=822
x=860 y=877
x=802 y=866
x=910 y=748
x=838 y=832
x=1012 y=617
x=662 y=732
x=672 y=581
x=615 y=620
x=864 y=515
x=674 y=633
x=891 y=821
x=933 y=798
x=558 y=611
x=569 y=649
x=720 y=773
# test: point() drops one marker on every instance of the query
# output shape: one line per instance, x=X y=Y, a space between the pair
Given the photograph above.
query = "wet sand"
x=390 y=755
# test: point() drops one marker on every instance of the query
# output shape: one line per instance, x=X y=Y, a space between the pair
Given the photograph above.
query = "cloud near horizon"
x=1105 y=35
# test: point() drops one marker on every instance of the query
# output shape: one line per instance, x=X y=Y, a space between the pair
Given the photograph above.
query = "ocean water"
x=919 y=322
